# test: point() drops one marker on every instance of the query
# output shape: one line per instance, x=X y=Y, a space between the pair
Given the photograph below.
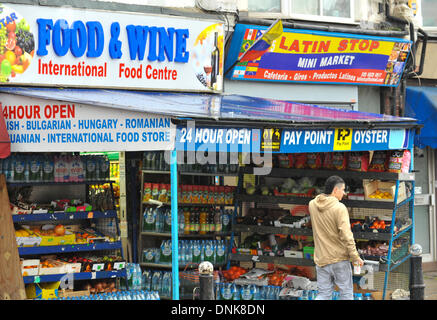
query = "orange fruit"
x=10 y=56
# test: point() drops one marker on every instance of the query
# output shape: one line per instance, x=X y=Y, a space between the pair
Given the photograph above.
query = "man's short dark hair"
x=331 y=182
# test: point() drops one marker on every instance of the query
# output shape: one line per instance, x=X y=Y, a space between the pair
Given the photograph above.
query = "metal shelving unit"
x=282 y=172
x=155 y=235
x=71 y=248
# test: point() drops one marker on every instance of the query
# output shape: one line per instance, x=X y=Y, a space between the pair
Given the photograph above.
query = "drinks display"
x=55 y=168
x=119 y=295
x=155 y=161
x=189 y=251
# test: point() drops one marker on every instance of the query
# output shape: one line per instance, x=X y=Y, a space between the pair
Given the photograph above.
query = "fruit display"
x=50 y=234
x=100 y=286
x=233 y=273
x=16 y=48
x=303 y=187
x=378 y=194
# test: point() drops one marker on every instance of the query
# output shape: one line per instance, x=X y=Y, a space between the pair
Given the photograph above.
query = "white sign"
x=39 y=125
x=79 y=47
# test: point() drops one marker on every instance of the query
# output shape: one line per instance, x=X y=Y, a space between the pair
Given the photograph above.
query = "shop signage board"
x=319 y=57
x=50 y=46
x=277 y=140
x=40 y=125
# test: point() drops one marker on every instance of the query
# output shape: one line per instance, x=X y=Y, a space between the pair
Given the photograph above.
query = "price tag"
x=90 y=215
x=36 y=279
x=255 y=258
x=343 y=139
x=93 y=275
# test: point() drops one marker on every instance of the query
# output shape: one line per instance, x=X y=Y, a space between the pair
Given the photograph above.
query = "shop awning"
x=5 y=144
x=421 y=103
x=232 y=109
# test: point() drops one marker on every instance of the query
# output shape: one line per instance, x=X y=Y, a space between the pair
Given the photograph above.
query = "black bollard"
x=417 y=286
x=206 y=281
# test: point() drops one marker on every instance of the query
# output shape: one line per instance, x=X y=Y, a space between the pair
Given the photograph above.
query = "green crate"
x=308 y=253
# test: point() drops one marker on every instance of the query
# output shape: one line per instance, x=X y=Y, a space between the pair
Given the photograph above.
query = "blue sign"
x=277 y=140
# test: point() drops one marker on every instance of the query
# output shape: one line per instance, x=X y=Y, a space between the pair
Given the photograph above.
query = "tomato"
x=18 y=51
x=10 y=44
x=11 y=26
x=12 y=35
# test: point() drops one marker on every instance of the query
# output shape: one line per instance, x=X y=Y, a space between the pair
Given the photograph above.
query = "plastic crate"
x=308 y=253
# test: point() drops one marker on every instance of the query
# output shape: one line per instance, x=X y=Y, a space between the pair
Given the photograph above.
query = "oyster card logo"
x=17 y=44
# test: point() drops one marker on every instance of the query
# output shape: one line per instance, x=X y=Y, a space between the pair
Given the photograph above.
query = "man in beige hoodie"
x=334 y=244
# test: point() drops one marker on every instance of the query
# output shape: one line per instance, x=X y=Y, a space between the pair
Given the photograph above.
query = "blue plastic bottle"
x=368 y=296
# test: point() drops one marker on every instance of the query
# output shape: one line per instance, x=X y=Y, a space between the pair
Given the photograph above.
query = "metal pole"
x=206 y=281
x=174 y=225
x=417 y=286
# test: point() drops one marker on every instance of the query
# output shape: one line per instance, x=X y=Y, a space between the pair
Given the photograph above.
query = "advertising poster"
x=49 y=46
x=319 y=57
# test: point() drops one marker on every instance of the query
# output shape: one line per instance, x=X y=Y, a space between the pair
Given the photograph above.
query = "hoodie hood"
x=324 y=202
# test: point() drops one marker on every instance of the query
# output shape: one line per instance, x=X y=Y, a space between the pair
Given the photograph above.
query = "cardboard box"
x=30 y=267
x=293 y=254
x=371 y=187
x=73 y=267
x=58 y=268
x=28 y=241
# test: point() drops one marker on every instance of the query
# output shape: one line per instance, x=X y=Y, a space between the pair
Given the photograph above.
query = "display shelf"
x=167 y=266
x=75 y=276
x=304 y=232
x=182 y=235
x=59 y=216
x=271 y=230
x=69 y=248
x=208 y=174
x=285 y=172
x=305 y=200
x=187 y=204
x=270 y=259
x=52 y=183
x=155 y=171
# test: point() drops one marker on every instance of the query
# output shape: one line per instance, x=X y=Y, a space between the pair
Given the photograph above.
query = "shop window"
x=265 y=6
x=318 y=10
x=429 y=13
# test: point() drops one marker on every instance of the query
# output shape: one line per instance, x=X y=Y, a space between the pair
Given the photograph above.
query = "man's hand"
x=360 y=262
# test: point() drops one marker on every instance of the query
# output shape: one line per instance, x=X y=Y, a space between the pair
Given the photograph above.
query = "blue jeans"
x=339 y=274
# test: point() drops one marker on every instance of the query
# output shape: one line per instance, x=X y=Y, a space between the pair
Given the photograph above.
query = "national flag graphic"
x=260 y=46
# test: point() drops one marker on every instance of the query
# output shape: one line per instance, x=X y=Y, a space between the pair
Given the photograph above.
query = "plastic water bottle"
x=226 y=291
x=255 y=292
x=246 y=293
x=181 y=221
x=359 y=296
x=156 y=281
x=368 y=296
x=187 y=252
x=304 y=295
x=236 y=292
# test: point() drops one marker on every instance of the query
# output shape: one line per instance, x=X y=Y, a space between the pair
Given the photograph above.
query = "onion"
x=99 y=286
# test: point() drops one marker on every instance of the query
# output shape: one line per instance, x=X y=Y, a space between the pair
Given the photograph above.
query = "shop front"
x=50 y=47
x=191 y=207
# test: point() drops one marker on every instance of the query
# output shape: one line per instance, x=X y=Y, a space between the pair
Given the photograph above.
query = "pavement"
x=430 y=280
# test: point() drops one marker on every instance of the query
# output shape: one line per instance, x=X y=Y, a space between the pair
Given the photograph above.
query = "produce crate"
x=68 y=238
x=293 y=254
x=309 y=193
x=58 y=267
x=42 y=291
x=28 y=241
x=371 y=186
x=67 y=293
x=30 y=267
x=308 y=253
x=73 y=267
